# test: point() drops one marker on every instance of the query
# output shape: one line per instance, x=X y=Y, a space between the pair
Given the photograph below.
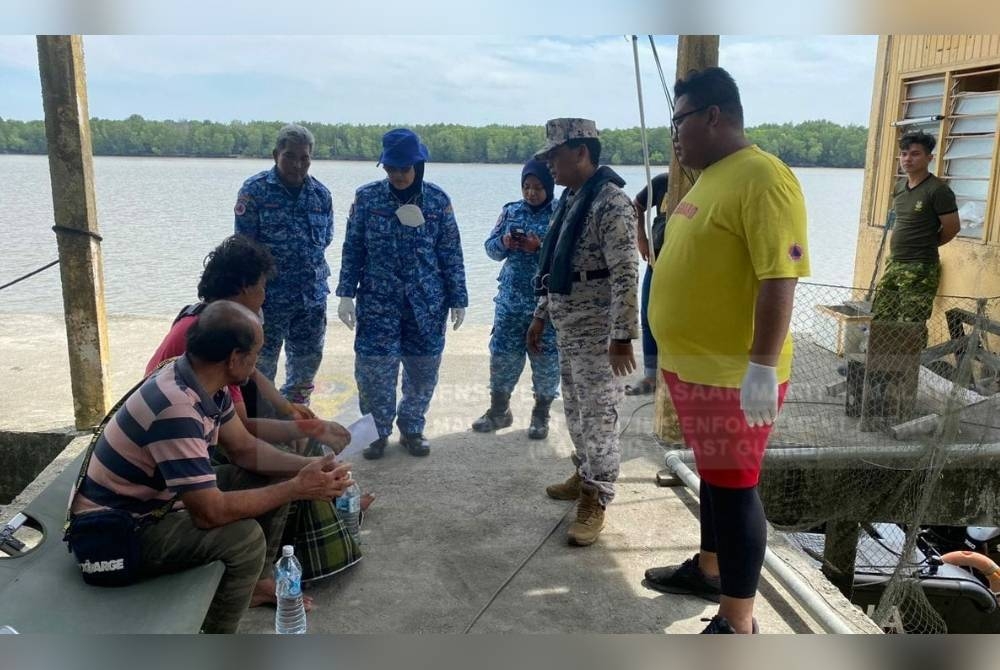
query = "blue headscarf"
x=540 y=169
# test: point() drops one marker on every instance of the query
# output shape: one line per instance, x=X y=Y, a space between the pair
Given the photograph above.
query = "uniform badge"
x=918 y=206
x=795 y=252
x=241 y=208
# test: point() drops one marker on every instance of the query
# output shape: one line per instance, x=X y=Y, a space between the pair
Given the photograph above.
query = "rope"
x=77 y=231
x=58 y=229
x=632 y=416
x=666 y=93
x=518 y=569
x=647 y=210
x=663 y=80
x=30 y=274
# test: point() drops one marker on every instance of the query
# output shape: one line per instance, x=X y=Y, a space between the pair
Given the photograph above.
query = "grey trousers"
x=247 y=548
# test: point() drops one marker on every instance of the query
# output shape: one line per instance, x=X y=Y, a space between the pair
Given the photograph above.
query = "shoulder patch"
x=795 y=252
x=241 y=208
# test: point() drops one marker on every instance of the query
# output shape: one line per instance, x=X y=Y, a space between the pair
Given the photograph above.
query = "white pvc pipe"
x=804 y=594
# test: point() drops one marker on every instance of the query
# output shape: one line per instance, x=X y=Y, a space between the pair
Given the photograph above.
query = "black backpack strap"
x=191 y=310
x=156 y=514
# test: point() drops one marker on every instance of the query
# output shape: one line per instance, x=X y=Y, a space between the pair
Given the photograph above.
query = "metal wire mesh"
x=888 y=426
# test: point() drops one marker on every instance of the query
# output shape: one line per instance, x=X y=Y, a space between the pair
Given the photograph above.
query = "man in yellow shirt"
x=720 y=307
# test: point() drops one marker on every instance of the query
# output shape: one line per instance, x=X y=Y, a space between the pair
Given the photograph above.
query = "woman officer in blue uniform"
x=401 y=273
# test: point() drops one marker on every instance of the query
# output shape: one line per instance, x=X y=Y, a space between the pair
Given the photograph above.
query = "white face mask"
x=410 y=215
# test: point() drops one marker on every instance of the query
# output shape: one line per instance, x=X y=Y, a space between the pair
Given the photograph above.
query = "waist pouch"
x=106 y=546
x=106 y=542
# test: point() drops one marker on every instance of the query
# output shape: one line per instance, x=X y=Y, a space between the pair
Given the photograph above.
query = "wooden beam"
x=694 y=52
x=67 y=130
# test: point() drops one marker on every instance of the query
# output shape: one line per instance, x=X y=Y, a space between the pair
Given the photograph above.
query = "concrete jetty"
x=464 y=539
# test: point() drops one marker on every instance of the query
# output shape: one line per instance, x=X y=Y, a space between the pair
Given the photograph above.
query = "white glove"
x=346 y=312
x=457 y=316
x=759 y=394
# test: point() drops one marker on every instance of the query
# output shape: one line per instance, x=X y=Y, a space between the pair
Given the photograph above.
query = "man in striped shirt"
x=156 y=449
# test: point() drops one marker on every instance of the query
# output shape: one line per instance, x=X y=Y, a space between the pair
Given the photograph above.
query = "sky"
x=413 y=79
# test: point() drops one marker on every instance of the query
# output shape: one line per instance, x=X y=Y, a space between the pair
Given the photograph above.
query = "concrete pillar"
x=67 y=130
x=694 y=52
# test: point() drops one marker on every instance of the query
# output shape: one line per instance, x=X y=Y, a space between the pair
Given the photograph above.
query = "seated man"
x=238 y=270
x=155 y=449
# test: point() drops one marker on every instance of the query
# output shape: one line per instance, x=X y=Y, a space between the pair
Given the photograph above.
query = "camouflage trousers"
x=302 y=331
x=381 y=345
x=591 y=393
x=247 y=548
x=508 y=350
x=906 y=292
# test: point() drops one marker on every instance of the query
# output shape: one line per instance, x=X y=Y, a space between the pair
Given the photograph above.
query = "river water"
x=160 y=216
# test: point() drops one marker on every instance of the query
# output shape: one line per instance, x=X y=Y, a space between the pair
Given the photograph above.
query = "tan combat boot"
x=568 y=490
x=589 y=518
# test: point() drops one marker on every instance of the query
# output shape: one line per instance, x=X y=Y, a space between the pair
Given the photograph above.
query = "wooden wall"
x=970 y=267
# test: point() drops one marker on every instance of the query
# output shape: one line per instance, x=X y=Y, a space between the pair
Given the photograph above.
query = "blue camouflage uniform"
x=297 y=231
x=515 y=306
x=405 y=280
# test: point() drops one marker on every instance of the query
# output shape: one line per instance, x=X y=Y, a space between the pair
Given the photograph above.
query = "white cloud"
x=457 y=79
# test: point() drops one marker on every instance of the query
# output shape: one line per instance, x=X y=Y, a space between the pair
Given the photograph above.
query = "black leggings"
x=733 y=526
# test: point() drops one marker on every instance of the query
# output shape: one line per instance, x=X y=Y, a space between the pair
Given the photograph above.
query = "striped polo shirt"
x=155 y=447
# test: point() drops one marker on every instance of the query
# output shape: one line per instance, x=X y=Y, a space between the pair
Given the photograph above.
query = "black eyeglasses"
x=676 y=121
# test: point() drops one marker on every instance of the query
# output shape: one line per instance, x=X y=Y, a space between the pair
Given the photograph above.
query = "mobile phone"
x=517 y=232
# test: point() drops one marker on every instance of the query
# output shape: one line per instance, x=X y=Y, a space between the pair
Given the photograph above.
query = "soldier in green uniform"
x=926 y=218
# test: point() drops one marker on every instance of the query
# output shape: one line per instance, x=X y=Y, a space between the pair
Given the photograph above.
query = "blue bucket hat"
x=402 y=148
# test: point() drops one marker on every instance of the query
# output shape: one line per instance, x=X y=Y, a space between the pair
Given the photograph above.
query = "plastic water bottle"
x=349 y=510
x=290 y=617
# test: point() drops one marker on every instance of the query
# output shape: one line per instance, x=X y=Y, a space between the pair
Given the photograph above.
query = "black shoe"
x=720 y=625
x=539 y=427
x=686 y=579
x=375 y=450
x=490 y=422
x=497 y=416
x=415 y=443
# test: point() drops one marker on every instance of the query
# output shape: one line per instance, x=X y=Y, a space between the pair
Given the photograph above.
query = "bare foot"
x=366 y=501
x=263 y=594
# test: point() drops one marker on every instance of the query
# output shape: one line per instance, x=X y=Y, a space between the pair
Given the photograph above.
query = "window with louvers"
x=967 y=151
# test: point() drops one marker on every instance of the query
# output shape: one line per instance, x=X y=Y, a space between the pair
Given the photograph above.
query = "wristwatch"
x=625 y=341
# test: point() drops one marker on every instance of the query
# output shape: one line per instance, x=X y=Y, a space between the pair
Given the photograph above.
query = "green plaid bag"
x=322 y=543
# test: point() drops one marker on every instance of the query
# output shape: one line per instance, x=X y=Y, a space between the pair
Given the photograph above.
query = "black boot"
x=415 y=443
x=375 y=450
x=497 y=416
x=539 y=428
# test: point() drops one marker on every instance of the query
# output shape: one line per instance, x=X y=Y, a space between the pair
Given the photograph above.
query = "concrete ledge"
x=77 y=444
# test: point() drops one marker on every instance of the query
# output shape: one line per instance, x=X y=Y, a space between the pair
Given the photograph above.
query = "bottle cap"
x=287 y=550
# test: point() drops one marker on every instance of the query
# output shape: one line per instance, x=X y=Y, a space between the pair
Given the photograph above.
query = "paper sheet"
x=363 y=433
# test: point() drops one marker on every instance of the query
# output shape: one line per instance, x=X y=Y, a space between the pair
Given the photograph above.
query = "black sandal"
x=644 y=387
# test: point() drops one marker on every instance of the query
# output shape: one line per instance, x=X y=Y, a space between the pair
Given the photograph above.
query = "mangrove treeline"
x=807 y=144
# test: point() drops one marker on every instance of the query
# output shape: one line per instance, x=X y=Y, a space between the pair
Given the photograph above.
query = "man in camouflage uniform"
x=926 y=218
x=587 y=281
x=291 y=213
x=402 y=259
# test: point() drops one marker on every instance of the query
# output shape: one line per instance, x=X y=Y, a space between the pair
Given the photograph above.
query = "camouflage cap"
x=560 y=131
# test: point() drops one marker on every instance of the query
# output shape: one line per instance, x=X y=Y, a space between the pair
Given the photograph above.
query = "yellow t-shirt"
x=744 y=220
